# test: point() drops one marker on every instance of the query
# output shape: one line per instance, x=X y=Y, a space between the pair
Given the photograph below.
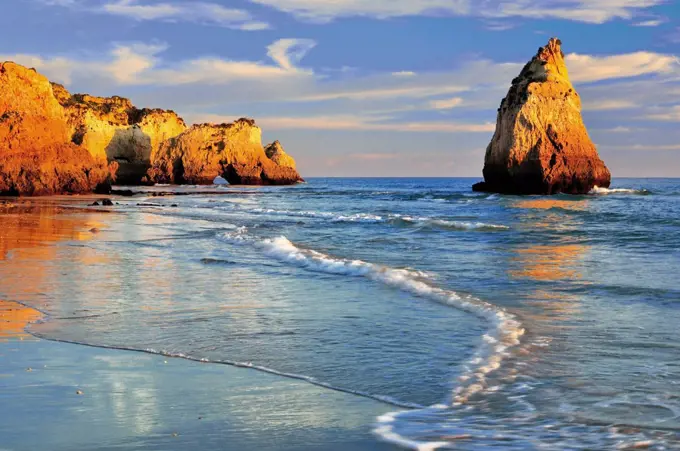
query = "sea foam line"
x=371 y=218
x=598 y=190
x=504 y=335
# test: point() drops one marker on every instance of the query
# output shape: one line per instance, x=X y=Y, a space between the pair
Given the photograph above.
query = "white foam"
x=446 y=224
x=605 y=191
x=494 y=348
x=373 y=218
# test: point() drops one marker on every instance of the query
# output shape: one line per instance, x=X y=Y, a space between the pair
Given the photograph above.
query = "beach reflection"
x=13 y=320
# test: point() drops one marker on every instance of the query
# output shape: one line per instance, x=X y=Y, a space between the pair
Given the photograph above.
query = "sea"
x=483 y=321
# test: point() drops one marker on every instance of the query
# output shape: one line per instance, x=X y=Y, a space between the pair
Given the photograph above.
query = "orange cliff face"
x=113 y=128
x=36 y=153
x=541 y=145
x=233 y=151
x=54 y=142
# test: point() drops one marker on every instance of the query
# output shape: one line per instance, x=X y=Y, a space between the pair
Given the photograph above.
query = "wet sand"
x=58 y=396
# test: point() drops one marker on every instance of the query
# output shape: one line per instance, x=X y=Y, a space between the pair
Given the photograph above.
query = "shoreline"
x=73 y=366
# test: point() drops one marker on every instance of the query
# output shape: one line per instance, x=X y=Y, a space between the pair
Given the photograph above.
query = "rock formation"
x=233 y=151
x=541 y=145
x=113 y=128
x=36 y=153
x=53 y=142
x=275 y=152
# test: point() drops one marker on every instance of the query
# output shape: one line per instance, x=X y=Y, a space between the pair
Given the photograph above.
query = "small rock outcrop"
x=113 y=128
x=233 y=151
x=541 y=145
x=36 y=153
x=275 y=152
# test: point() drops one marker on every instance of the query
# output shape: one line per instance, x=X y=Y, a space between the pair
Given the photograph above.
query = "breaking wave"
x=605 y=191
x=394 y=219
x=505 y=334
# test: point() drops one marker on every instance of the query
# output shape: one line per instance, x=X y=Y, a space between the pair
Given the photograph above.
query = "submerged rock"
x=113 y=128
x=541 y=145
x=232 y=151
x=37 y=156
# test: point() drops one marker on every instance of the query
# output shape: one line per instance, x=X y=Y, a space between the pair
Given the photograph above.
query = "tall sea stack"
x=541 y=145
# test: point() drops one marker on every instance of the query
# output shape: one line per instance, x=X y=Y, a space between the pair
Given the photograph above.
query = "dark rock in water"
x=541 y=145
x=123 y=192
x=107 y=203
x=94 y=204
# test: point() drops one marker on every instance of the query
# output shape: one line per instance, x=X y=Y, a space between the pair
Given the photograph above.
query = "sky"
x=368 y=87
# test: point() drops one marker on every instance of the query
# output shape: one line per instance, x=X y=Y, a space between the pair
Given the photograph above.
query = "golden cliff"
x=275 y=152
x=36 y=152
x=54 y=142
x=541 y=145
x=113 y=128
x=233 y=151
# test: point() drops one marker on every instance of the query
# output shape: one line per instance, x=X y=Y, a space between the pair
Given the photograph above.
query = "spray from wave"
x=605 y=191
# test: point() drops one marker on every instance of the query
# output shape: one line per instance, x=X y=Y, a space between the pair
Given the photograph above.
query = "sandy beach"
x=59 y=396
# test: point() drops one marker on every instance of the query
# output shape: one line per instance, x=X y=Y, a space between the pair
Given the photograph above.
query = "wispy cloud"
x=140 y=64
x=352 y=123
x=587 y=68
x=665 y=113
x=181 y=11
x=446 y=104
x=287 y=53
x=650 y=23
x=609 y=104
x=589 y=11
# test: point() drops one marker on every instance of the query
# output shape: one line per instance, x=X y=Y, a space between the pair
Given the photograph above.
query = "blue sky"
x=368 y=88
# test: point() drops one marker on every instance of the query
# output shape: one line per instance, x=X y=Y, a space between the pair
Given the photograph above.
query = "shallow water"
x=497 y=321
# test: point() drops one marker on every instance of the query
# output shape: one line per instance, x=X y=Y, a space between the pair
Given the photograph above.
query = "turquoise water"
x=487 y=321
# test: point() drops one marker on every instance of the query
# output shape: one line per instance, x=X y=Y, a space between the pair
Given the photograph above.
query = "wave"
x=605 y=191
x=452 y=225
x=505 y=334
x=496 y=344
x=395 y=219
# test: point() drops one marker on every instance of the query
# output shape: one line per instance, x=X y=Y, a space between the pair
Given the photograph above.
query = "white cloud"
x=412 y=91
x=288 y=52
x=650 y=23
x=351 y=123
x=140 y=65
x=666 y=114
x=586 y=68
x=609 y=104
x=404 y=73
x=181 y=11
x=446 y=104
x=590 y=11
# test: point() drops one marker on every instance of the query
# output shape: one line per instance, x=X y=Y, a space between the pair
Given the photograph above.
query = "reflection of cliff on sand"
x=14 y=318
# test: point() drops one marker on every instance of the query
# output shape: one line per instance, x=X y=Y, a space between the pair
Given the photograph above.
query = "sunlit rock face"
x=275 y=152
x=113 y=128
x=37 y=156
x=541 y=145
x=233 y=151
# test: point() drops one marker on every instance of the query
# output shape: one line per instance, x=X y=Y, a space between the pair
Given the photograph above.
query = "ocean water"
x=487 y=321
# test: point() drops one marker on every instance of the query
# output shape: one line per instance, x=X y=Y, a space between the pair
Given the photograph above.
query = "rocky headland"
x=37 y=156
x=541 y=145
x=113 y=128
x=233 y=151
x=52 y=141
